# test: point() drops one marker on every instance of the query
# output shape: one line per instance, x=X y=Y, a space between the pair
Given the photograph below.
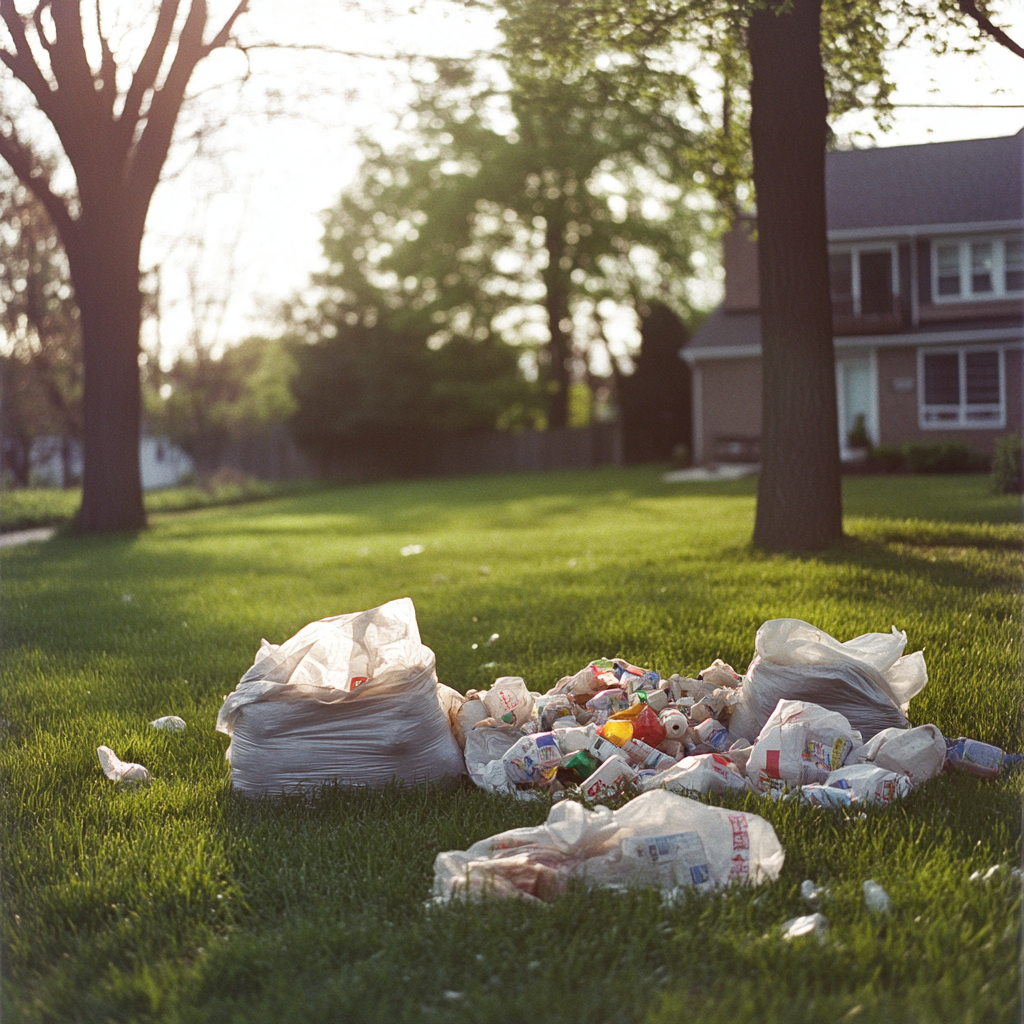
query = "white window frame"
x=855 y=251
x=961 y=422
x=999 y=291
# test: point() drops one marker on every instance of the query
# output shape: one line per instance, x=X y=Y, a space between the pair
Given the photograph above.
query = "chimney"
x=739 y=254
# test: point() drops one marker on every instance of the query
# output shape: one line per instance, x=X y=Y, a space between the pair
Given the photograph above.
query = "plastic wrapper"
x=870 y=784
x=169 y=723
x=120 y=771
x=659 y=839
x=533 y=759
x=800 y=744
x=609 y=778
x=919 y=753
x=487 y=743
x=508 y=701
x=704 y=773
x=350 y=699
x=867 y=679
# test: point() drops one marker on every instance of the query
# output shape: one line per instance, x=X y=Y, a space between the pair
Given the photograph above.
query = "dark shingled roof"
x=936 y=183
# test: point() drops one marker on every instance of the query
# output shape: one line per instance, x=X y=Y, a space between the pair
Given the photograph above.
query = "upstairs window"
x=962 y=387
x=863 y=281
x=977 y=269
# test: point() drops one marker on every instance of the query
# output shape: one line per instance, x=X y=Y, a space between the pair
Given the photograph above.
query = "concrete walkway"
x=723 y=471
x=10 y=540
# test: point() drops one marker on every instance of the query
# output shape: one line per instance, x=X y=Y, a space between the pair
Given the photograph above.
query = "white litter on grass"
x=485 y=570
x=810 y=924
x=120 y=771
x=169 y=723
x=127 y=598
x=980 y=876
x=492 y=638
x=876 y=898
x=411 y=549
x=811 y=892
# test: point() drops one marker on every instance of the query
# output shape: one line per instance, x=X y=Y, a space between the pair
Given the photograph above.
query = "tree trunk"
x=799 y=499
x=557 y=302
x=105 y=273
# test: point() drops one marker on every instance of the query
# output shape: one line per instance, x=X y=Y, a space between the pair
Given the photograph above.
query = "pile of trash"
x=355 y=699
x=822 y=721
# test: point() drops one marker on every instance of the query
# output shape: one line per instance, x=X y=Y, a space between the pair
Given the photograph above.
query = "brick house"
x=927 y=269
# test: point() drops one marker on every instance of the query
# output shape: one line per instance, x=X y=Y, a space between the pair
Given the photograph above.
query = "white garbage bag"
x=867 y=679
x=800 y=743
x=659 y=839
x=509 y=701
x=919 y=753
x=702 y=773
x=351 y=699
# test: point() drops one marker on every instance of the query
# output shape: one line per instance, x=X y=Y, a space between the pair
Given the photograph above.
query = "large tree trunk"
x=799 y=499
x=106 y=278
x=557 y=302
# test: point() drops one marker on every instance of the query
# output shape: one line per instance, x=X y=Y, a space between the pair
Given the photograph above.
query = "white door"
x=855 y=391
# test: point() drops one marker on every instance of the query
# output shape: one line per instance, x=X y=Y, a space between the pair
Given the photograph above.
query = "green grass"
x=181 y=902
x=22 y=509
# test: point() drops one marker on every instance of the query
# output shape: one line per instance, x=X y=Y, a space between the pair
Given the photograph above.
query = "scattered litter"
x=350 y=699
x=492 y=638
x=126 y=598
x=811 y=924
x=658 y=839
x=979 y=758
x=169 y=723
x=120 y=771
x=979 y=876
x=876 y=898
x=411 y=549
x=811 y=892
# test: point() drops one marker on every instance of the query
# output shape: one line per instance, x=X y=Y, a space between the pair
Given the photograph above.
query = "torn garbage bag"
x=867 y=679
x=658 y=839
x=350 y=699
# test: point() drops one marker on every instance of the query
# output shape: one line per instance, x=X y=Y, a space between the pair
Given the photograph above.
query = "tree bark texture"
x=557 y=302
x=799 y=499
x=105 y=272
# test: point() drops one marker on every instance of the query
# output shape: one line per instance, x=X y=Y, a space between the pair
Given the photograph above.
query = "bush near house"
x=929 y=457
x=1008 y=465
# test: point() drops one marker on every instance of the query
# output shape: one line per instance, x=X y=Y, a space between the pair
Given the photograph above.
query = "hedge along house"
x=927 y=269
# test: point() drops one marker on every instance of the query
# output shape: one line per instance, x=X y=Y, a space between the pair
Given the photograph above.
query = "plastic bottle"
x=647 y=728
x=617 y=731
x=982 y=759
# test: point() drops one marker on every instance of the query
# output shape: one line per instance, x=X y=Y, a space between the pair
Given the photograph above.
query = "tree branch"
x=108 y=68
x=145 y=75
x=970 y=8
x=30 y=173
x=22 y=63
x=222 y=37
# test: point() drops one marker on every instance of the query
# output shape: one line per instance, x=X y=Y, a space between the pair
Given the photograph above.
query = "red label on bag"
x=357 y=681
x=771 y=764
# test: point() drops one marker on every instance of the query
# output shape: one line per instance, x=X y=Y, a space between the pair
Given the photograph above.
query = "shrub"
x=942 y=457
x=889 y=457
x=1008 y=465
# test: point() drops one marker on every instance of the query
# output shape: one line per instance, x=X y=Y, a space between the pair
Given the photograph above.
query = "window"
x=977 y=269
x=1014 y=265
x=863 y=281
x=961 y=387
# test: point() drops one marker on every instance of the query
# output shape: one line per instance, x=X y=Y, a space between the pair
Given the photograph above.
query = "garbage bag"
x=659 y=839
x=919 y=753
x=869 y=783
x=351 y=699
x=703 y=773
x=801 y=743
x=867 y=679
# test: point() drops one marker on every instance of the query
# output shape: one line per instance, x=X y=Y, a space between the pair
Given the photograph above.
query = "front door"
x=858 y=417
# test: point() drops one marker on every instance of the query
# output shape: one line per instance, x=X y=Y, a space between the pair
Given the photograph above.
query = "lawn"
x=181 y=902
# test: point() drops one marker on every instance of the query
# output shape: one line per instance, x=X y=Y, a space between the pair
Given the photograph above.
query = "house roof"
x=967 y=182
x=727 y=335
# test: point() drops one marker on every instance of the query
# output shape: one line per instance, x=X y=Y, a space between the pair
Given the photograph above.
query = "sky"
x=235 y=232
